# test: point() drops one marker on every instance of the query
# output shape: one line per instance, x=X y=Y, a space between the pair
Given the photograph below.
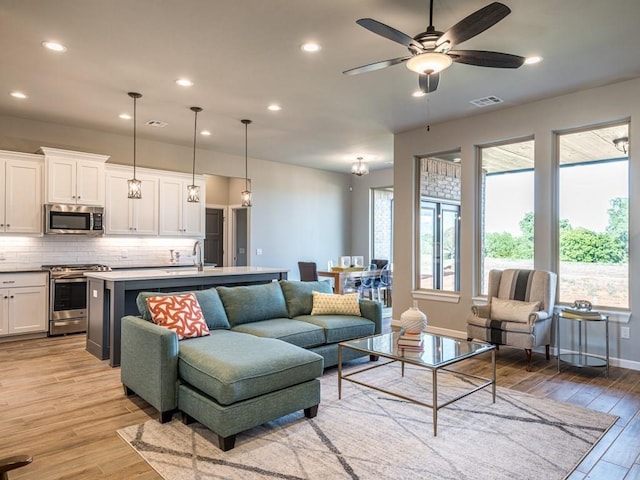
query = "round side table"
x=582 y=358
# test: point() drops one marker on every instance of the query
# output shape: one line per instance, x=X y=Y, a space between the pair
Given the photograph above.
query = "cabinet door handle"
x=11 y=296
x=78 y=197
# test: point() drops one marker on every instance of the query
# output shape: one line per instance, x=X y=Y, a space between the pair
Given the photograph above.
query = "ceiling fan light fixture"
x=429 y=62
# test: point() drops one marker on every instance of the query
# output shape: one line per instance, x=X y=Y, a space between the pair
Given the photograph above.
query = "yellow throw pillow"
x=512 y=310
x=180 y=313
x=330 y=304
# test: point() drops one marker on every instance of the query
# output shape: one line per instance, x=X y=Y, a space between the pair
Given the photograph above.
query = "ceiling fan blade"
x=388 y=32
x=483 y=58
x=474 y=24
x=429 y=83
x=376 y=66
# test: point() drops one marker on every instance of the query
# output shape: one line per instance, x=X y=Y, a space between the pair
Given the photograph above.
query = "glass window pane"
x=439 y=216
x=594 y=225
x=507 y=207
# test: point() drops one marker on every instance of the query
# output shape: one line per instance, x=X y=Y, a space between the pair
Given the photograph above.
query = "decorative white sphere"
x=413 y=320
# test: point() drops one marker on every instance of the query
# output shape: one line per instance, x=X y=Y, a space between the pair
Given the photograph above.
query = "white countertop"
x=153 y=273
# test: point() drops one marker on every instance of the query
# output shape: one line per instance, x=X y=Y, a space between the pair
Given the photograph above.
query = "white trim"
x=436 y=296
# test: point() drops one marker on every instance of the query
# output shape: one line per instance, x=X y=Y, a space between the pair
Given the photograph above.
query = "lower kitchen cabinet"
x=23 y=303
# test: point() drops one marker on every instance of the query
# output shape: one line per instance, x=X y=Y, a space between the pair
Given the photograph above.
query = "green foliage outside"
x=576 y=244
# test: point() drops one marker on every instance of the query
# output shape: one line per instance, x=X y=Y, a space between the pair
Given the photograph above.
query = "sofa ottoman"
x=232 y=381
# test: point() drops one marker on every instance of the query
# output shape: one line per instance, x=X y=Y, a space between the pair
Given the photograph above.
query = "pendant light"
x=246 y=195
x=193 y=190
x=134 y=186
x=359 y=168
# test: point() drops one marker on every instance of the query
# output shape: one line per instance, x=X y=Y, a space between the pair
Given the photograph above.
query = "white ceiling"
x=244 y=55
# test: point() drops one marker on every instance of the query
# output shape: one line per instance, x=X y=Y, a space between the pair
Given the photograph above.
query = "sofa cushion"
x=330 y=304
x=232 y=366
x=253 y=303
x=338 y=328
x=180 y=313
x=299 y=295
x=302 y=334
x=512 y=310
x=209 y=300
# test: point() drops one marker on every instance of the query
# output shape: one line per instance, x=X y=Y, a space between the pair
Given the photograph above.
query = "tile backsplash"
x=112 y=251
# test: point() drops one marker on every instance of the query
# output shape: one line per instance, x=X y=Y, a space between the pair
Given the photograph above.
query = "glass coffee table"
x=439 y=353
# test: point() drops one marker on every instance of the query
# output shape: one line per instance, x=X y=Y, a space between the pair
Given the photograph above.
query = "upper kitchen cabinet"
x=177 y=216
x=128 y=216
x=74 y=177
x=20 y=193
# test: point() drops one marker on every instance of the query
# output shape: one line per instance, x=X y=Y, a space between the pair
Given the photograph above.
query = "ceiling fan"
x=432 y=51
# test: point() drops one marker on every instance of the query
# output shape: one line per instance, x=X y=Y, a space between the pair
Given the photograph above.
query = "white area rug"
x=370 y=435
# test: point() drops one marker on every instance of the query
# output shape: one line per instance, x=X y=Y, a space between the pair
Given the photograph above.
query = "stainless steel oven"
x=68 y=297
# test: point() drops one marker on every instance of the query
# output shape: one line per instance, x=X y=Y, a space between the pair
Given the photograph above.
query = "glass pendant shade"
x=134 y=186
x=193 y=191
x=429 y=62
x=245 y=196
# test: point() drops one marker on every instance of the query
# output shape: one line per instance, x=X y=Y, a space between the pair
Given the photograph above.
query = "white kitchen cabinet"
x=177 y=216
x=20 y=193
x=23 y=303
x=74 y=177
x=126 y=216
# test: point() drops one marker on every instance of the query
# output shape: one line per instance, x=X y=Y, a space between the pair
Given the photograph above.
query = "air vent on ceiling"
x=483 y=102
x=157 y=123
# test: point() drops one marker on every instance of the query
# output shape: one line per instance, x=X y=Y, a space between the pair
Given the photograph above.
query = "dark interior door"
x=213 y=242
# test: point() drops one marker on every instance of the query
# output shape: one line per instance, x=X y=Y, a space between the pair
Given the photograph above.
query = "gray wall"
x=298 y=213
x=604 y=104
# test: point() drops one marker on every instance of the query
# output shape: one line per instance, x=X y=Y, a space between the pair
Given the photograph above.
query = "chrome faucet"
x=197 y=257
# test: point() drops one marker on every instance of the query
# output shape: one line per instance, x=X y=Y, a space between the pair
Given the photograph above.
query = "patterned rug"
x=370 y=435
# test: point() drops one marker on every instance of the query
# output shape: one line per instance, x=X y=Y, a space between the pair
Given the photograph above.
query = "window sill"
x=436 y=296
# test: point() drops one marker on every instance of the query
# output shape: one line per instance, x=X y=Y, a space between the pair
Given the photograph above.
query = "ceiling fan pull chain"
x=428 y=111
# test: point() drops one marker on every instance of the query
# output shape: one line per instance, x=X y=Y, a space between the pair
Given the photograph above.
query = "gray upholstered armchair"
x=519 y=311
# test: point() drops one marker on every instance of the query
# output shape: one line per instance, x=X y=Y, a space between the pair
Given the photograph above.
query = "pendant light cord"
x=135 y=100
x=195 y=129
x=246 y=162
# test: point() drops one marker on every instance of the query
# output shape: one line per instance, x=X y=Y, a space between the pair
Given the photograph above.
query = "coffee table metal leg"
x=339 y=372
x=435 y=402
x=493 y=369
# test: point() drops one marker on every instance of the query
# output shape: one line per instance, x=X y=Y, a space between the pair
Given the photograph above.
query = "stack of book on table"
x=575 y=313
x=410 y=341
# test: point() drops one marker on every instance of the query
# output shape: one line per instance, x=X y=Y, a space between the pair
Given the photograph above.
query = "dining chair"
x=385 y=284
x=368 y=282
x=308 y=271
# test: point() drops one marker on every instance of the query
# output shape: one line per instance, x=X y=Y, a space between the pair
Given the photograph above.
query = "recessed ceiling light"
x=55 y=46
x=274 y=108
x=418 y=93
x=206 y=133
x=184 y=82
x=310 y=47
x=19 y=95
x=125 y=116
x=532 y=60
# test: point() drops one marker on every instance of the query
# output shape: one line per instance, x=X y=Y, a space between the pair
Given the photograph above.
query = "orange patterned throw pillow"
x=181 y=313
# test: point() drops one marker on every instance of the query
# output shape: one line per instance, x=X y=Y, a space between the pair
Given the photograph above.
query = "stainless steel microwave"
x=73 y=220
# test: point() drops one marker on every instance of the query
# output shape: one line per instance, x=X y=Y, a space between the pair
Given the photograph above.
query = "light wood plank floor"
x=63 y=406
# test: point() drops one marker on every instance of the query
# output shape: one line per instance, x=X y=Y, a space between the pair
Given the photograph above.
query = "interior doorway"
x=214 y=236
x=240 y=236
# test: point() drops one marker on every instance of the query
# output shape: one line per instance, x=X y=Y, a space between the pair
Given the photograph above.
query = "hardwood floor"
x=61 y=405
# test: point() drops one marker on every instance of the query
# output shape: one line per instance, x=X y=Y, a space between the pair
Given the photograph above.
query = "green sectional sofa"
x=261 y=360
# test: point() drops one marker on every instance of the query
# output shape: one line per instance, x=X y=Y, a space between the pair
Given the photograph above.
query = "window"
x=382 y=223
x=507 y=210
x=593 y=224
x=439 y=222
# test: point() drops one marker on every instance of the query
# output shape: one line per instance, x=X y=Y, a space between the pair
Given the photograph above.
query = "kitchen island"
x=112 y=295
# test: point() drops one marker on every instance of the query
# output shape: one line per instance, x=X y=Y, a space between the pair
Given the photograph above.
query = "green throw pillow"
x=299 y=295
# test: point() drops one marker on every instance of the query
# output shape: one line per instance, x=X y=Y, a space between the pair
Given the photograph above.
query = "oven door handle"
x=70 y=280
